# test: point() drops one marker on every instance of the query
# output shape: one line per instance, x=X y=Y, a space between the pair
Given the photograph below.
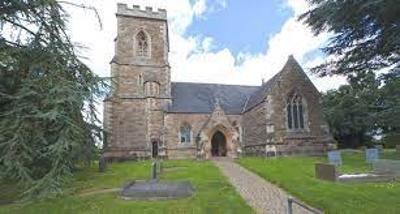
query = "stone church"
x=146 y=114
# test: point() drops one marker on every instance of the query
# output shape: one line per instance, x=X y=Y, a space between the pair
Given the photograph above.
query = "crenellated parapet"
x=136 y=11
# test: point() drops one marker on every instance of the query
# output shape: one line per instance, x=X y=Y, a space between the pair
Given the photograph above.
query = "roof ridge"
x=223 y=84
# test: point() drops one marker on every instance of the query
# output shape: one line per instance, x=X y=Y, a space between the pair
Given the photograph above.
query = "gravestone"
x=371 y=155
x=398 y=148
x=335 y=158
x=379 y=147
x=156 y=189
x=325 y=171
x=102 y=164
x=383 y=166
x=270 y=151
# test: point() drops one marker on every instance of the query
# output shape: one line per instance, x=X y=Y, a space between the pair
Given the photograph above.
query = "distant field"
x=213 y=192
x=296 y=175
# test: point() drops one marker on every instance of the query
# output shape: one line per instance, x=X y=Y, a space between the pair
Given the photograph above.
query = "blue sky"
x=242 y=26
x=214 y=41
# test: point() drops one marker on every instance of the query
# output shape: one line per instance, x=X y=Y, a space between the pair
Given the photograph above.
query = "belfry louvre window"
x=295 y=112
x=185 y=133
x=142 y=44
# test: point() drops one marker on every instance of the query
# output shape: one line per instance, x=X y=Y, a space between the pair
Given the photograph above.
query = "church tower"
x=133 y=114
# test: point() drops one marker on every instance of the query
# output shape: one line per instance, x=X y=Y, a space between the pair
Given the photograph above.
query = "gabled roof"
x=234 y=99
x=259 y=96
x=201 y=97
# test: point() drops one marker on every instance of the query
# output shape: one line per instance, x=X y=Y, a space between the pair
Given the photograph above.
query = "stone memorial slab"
x=156 y=189
x=379 y=147
x=371 y=155
x=384 y=166
x=335 y=158
x=398 y=148
x=325 y=171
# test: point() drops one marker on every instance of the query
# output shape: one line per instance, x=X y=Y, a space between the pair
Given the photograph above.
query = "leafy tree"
x=48 y=123
x=351 y=111
x=365 y=40
x=389 y=108
x=365 y=34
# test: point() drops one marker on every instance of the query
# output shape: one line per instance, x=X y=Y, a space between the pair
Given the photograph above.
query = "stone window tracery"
x=142 y=44
x=185 y=133
x=295 y=112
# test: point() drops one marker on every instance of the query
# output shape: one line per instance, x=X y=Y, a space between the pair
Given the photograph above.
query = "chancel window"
x=295 y=112
x=186 y=133
x=142 y=44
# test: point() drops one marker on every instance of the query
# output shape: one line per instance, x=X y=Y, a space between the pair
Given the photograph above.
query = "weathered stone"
x=163 y=190
x=325 y=171
x=371 y=155
x=136 y=113
x=383 y=166
x=379 y=147
x=335 y=158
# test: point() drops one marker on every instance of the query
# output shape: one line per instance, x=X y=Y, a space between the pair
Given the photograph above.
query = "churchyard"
x=91 y=191
x=296 y=175
x=94 y=192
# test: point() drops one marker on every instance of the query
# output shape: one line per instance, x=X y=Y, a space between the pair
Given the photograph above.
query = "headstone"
x=102 y=164
x=383 y=166
x=335 y=158
x=379 y=147
x=371 y=155
x=270 y=151
x=325 y=171
x=398 y=148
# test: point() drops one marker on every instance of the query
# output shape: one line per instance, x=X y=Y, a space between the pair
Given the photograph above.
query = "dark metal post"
x=153 y=171
x=102 y=163
x=290 y=205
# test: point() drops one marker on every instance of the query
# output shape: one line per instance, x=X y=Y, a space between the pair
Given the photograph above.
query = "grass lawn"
x=296 y=175
x=213 y=192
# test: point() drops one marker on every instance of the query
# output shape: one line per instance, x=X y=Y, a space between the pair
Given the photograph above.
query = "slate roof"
x=258 y=96
x=234 y=99
x=201 y=97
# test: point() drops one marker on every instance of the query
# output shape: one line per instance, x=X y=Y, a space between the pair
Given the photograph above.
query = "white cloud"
x=199 y=7
x=195 y=59
x=219 y=66
x=297 y=6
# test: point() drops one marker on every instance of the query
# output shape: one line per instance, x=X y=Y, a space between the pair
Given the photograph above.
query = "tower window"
x=295 y=112
x=142 y=44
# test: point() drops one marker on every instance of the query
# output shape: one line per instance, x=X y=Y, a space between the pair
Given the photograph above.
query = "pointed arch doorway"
x=218 y=144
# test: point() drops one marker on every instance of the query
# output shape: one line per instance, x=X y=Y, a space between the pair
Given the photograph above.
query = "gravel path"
x=263 y=196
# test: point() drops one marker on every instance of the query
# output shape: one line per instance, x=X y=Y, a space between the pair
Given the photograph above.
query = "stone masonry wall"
x=266 y=124
x=134 y=118
x=173 y=122
x=293 y=79
x=254 y=130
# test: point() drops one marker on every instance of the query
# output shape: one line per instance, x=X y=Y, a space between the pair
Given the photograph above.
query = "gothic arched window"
x=186 y=133
x=142 y=44
x=295 y=112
